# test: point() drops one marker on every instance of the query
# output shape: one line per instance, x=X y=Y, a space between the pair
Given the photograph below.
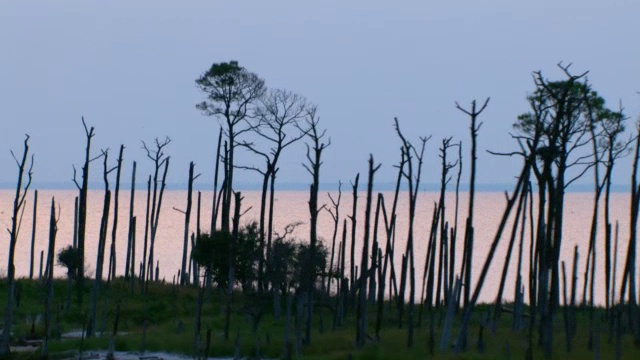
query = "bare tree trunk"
x=33 y=232
x=335 y=215
x=18 y=202
x=524 y=176
x=272 y=192
x=129 y=266
x=53 y=229
x=143 y=268
x=133 y=251
x=156 y=205
x=75 y=223
x=343 y=282
x=82 y=209
x=629 y=269
x=505 y=268
x=361 y=326
x=353 y=218
x=375 y=252
x=263 y=205
x=473 y=114
x=454 y=235
x=187 y=218
x=114 y=231
x=414 y=183
x=214 y=208
x=192 y=264
x=95 y=292
x=228 y=182
x=314 y=157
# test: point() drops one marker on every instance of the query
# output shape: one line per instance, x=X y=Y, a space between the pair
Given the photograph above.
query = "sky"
x=128 y=68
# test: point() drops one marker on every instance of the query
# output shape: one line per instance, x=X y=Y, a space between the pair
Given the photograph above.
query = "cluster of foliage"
x=289 y=263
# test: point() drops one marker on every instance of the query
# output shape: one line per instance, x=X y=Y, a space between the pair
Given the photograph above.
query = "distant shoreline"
x=346 y=187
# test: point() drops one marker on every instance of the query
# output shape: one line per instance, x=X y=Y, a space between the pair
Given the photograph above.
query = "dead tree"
x=277 y=112
x=18 y=203
x=129 y=266
x=354 y=220
x=143 y=267
x=335 y=215
x=361 y=316
x=102 y=239
x=467 y=258
x=561 y=123
x=629 y=269
x=598 y=187
x=82 y=208
x=184 y=276
x=511 y=200
x=454 y=230
x=114 y=230
x=216 y=195
x=33 y=232
x=612 y=126
x=389 y=221
x=443 y=257
x=160 y=159
x=314 y=157
x=53 y=230
x=413 y=181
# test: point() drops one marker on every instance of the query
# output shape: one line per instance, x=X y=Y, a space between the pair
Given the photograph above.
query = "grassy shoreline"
x=170 y=312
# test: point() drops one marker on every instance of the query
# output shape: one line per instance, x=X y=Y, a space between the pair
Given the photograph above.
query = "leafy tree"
x=558 y=130
x=212 y=253
x=231 y=91
x=292 y=261
x=69 y=257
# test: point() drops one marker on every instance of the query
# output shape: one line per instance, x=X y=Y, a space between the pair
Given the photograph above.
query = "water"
x=292 y=206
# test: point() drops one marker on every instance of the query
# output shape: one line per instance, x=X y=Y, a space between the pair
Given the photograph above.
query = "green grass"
x=170 y=315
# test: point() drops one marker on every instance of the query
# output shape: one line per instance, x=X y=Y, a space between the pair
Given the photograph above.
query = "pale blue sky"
x=129 y=67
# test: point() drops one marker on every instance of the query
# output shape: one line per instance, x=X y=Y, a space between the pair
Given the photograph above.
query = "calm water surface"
x=291 y=206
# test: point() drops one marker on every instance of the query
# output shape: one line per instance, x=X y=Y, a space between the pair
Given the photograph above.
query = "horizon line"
x=328 y=186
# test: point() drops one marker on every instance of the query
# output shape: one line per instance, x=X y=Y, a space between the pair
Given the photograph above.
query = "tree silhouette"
x=18 y=203
x=231 y=91
x=278 y=120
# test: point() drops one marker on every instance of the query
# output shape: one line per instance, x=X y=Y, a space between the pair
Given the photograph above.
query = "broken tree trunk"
x=129 y=266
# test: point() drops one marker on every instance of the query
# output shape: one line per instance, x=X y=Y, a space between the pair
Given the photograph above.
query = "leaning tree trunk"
x=214 y=212
x=524 y=176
